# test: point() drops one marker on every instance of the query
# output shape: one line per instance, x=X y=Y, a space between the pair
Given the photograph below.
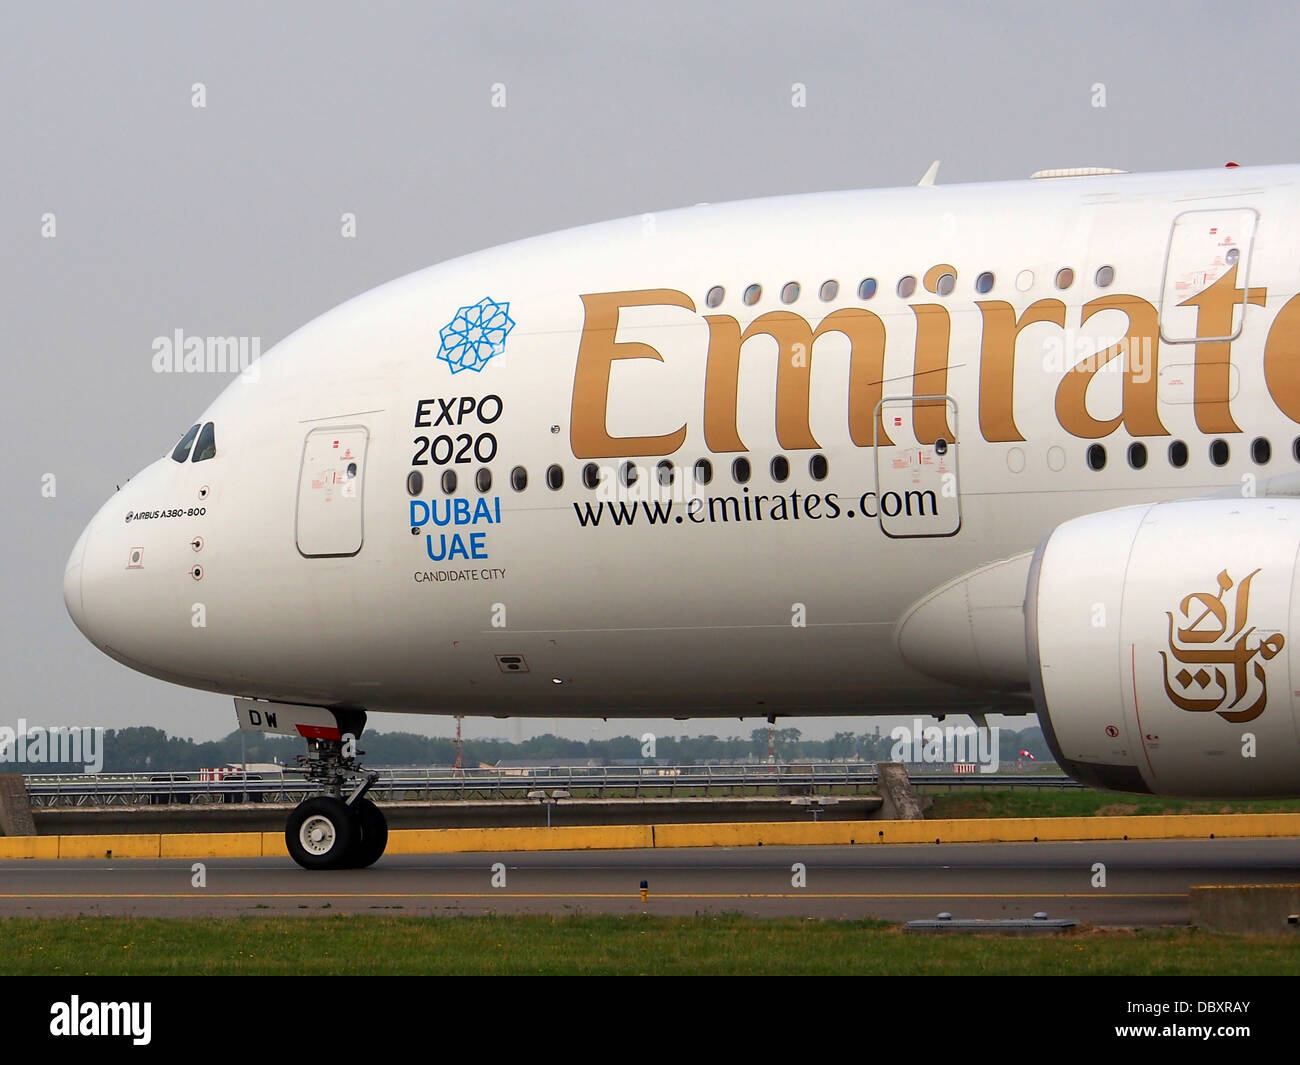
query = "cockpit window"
x=182 y=451
x=207 y=445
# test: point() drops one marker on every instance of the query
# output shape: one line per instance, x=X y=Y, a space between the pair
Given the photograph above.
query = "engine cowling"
x=1162 y=643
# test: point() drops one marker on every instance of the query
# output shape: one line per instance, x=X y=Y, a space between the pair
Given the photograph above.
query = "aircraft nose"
x=72 y=582
x=126 y=580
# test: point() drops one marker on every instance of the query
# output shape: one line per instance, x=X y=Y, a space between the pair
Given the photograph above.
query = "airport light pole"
x=548 y=800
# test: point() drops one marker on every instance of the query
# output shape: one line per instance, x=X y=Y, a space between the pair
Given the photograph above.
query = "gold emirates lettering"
x=865 y=331
x=1226 y=671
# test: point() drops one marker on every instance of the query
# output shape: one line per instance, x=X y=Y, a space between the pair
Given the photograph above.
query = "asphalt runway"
x=1146 y=882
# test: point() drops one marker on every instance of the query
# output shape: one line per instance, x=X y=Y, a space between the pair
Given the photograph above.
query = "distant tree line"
x=134 y=750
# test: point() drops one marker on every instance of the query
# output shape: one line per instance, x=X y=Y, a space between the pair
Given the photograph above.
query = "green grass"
x=728 y=944
x=1084 y=802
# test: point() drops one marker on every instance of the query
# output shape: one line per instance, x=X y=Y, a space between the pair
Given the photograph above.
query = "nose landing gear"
x=341 y=829
x=333 y=831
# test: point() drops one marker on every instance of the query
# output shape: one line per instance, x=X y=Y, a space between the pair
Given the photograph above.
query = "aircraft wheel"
x=373 y=839
x=321 y=833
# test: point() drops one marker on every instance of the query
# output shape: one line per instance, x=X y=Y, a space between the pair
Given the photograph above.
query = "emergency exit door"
x=330 y=486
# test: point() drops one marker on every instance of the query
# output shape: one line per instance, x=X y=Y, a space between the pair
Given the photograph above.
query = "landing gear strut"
x=341 y=829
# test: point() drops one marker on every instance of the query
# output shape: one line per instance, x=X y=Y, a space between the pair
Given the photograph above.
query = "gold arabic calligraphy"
x=1207 y=645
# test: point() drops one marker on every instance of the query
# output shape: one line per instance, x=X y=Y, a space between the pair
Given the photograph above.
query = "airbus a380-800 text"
x=1004 y=448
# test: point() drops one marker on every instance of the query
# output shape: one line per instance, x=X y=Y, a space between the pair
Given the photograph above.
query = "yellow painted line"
x=646 y=837
x=629 y=896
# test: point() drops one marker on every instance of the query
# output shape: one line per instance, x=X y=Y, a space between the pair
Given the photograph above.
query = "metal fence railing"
x=504 y=783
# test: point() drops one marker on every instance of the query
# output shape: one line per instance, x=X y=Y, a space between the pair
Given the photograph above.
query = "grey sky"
x=225 y=220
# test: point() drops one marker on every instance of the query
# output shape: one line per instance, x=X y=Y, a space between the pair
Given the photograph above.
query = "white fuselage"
x=599 y=345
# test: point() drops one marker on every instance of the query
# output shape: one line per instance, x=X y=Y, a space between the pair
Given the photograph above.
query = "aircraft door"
x=917 y=491
x=1204 y=248
x=330 y=483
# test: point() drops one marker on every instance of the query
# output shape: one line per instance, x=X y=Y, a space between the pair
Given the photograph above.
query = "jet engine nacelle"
x=1162 y=643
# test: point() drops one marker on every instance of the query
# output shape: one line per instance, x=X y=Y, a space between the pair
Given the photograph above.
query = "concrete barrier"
x=214 y=845
x=1246 y=908
x=467 y=840
x=15 y=807
x=124 y=846
x=623 y=837
x=30 y=847
x=773 y=834
x=272 y=845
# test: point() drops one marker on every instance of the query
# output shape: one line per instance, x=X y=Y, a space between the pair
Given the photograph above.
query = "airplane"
x=1016 y=447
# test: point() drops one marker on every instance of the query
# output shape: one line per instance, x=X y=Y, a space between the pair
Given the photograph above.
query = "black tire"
x=321 y=833
x=373 y=840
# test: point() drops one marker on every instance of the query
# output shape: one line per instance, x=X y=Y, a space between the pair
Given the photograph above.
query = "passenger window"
x=519 y=478
x=704 y=468
x=483 y=480
x=1137 y=455
x=665 y=473
x=182 y=450
x=1178 y=454
x=629 y=474
x=206 y=448
x=829 y=290
x=790 y=292
x=818 y=467
x=867 y=289
x=591 y=475
x=1096 y=457
x=752 y=294
x=1219 y=452
x=415 y=482
x=554 y=478
x=448 y=482
x=1261 y=451
x=984 y=283
x=780 y=468
x=716 y=295
x=740 y=470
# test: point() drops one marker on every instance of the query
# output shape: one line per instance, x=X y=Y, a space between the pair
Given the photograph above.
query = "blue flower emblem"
x=477 y=334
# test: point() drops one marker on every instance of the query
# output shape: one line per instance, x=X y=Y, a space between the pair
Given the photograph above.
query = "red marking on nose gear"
x=318 y=732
